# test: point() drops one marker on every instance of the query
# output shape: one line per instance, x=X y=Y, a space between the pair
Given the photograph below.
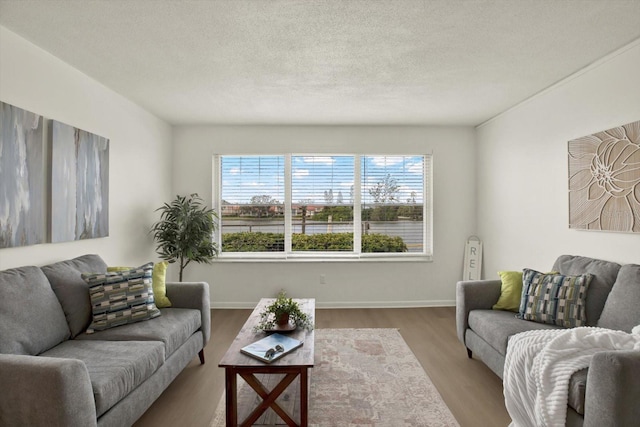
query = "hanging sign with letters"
x=472 y=259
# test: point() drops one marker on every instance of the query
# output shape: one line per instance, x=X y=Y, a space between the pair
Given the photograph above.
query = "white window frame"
x=317 y=256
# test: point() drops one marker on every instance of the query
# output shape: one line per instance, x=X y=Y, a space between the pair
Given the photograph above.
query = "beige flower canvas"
x=604 y=180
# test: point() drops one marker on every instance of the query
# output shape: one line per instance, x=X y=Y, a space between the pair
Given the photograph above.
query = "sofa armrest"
x=613 y=389
x=474 y=295
x=193 y=295
x=45 y=391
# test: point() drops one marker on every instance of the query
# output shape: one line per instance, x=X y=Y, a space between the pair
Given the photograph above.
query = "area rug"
x=366 y=377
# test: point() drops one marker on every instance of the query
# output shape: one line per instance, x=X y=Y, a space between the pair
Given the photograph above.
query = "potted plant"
x=185 y=232
x=282 y=312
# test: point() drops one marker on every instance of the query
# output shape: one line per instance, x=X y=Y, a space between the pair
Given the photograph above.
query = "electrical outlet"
x=323 y=279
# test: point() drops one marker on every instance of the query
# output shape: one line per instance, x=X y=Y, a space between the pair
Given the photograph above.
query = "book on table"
x=271 y=348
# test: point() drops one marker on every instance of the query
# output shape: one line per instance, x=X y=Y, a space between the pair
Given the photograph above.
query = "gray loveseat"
x=605 y=394
x=54 y=374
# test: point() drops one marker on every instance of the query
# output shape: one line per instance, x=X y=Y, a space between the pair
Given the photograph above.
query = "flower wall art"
x=604 y=180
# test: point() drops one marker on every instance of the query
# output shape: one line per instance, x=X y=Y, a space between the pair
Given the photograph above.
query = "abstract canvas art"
x=79 y=184
x=22 y=185
x=604 y=180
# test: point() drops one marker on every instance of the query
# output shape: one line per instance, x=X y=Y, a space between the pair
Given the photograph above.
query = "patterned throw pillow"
x=554 y=298
x=159 y=282
x=122 y=297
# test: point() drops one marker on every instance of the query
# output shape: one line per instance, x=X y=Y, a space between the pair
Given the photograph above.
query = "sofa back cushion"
x=31 y=318
x=604 y=276
x=72 y=290
x=622 y=309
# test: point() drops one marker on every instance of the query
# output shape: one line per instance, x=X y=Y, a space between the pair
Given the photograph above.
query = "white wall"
x=348 y=284
x=140 y=150
x=522 y=168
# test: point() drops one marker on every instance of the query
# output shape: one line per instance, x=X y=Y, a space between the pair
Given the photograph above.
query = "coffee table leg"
x=231 y=398
x=304 y=397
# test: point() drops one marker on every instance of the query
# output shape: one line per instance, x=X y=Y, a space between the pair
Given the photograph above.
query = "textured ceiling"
x=326 y=61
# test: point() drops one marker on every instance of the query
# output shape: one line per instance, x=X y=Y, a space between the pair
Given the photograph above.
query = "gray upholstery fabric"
x=574 y=419
x=613 y=389
x=474 y=295
x=173 y=328
x=72 y=291
x=607 y=393
x=193 y=295
x=486 y=353
x=59 y=392
x=82 y=382
x=31 y=318
x=622 y=309
x=577 y=388
x=127 y=411
x=604 y=272
x=115 y=368
x=495 y=361
x=497 y=326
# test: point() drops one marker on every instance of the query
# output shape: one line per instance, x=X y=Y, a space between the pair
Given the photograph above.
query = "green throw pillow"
x=510 y=291
x=159 y=282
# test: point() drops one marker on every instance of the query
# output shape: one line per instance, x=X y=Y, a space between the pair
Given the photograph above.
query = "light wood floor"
x=469 y=388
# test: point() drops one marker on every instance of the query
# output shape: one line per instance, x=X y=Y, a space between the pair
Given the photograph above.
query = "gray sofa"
x=54 y=374
x=605 y=394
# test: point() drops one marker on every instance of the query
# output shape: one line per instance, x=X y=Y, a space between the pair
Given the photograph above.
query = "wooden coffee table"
x=290 y=367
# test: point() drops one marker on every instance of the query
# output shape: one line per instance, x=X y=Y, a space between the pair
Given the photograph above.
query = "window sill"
x=324 y=258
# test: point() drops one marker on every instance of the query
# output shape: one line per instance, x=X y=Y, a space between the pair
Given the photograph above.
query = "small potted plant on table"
x=283 y=314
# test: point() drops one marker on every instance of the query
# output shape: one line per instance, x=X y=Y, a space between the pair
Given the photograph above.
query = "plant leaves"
x=185 y=231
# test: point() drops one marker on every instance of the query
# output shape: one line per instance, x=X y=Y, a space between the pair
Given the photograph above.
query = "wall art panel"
x=22 y=185
x=604 y=180
x=79 y=184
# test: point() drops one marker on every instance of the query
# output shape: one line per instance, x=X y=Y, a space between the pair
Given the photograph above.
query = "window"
x=392 y=201
x=314 y=206
x=322 y=203
x=252 y=203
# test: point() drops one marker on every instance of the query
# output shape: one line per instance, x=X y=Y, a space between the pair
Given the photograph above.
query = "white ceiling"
x=326 y=61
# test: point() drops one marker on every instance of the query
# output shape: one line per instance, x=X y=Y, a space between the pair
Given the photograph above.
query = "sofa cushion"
x=120 y=298
x=72 y=291
x=554 y=298
x=510 y=291
x=496 y=326
x=604 y=276
x=115 y=368
x=173 y=328
x=159 y=282
x=31 y=318
x=622 y=308
x=577 y=390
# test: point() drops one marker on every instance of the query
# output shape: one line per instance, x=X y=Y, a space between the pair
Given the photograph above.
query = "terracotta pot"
x=283 y=319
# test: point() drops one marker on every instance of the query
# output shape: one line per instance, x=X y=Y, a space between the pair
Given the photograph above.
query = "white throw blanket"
x=539 y=365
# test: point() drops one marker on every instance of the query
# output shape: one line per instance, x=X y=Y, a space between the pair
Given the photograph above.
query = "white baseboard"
x=347 y=304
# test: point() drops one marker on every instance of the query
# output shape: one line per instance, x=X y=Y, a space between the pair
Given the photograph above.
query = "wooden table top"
x=303 y=356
